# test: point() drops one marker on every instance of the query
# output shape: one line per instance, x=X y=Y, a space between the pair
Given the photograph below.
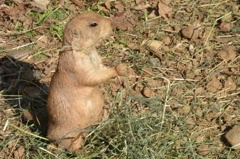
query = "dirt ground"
x=179 y=99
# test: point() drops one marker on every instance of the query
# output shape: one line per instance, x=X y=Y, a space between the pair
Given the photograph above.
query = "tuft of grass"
x=40 y=56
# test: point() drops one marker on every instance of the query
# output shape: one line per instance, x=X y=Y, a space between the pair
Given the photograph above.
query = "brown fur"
x=75 y=101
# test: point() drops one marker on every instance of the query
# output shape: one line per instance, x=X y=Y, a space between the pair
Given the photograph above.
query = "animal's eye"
x=93 y=25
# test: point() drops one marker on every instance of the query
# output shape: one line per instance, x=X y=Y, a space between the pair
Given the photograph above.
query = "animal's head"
x=86 y=30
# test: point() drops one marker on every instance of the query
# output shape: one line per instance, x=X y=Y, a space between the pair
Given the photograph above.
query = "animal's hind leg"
x=73 y=141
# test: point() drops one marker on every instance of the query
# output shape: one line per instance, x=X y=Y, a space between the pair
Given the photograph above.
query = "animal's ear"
x=75 y=33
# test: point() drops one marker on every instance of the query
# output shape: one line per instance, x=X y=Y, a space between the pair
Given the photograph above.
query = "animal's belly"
x=95 y=104
x=79 y=107
x=91 y=106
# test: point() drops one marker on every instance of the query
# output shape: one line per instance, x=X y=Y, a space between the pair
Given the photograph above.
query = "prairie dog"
x=75 y=101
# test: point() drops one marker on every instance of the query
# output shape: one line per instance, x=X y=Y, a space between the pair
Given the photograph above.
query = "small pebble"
x=155 y=61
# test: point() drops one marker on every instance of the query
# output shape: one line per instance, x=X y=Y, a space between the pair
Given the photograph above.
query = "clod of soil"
x=191 y=121
x=154 y=46
x=27 y=115
x=184 y=110
x=203 y=150
x=19 y=153
x=167 y=40
x=214 y=85
x=228 y=54
x=199 y=90
x=225 y=27
x=33 y=92
x=233 y=136
x=230 y=85
x=190 y=32
x=147 y=92
x=176 y=28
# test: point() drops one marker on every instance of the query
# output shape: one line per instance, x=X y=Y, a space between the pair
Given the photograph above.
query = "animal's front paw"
x=121 y=69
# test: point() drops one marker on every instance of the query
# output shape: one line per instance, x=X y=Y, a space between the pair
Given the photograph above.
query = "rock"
x=233 y=136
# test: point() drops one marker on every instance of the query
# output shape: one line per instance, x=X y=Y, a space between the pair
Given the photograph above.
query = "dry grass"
x=182 y=113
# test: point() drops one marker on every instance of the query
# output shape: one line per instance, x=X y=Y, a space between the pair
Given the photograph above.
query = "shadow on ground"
x=22 y=91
